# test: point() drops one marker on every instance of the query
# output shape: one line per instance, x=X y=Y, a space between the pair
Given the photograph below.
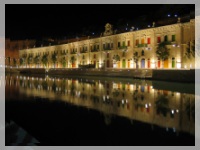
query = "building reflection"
x=133 y=99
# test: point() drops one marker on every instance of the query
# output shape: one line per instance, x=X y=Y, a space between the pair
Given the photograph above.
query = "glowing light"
x=178 y=65
x=122 y=101
x=131 y=65
x=177 y=111
x=146 y=106
x=104 y=98
x=172 y=111
x=168 y=15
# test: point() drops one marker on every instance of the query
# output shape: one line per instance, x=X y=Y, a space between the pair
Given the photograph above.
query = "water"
x=87 y=111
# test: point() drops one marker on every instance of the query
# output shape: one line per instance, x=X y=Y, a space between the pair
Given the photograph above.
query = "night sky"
x=65 y=20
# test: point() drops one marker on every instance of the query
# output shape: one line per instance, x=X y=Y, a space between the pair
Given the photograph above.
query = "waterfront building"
x=112 y=50
x=12 y=48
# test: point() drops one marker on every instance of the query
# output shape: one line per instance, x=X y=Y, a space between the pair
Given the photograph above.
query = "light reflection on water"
x=145 y=101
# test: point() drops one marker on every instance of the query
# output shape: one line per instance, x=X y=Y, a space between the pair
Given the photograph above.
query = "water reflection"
x=134 y=99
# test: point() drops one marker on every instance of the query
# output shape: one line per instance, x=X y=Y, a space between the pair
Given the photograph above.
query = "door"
x=118 y=64
x=95 y=63
x=148 y=63
x=73 y=65
x=108 y=63
x=129 y=64
x=166 y=63
x=158 y=63
x=143 y=63
x=124 y=63
x=173 y=62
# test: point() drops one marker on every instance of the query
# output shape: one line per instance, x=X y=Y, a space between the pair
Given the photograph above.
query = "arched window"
x=142 y=53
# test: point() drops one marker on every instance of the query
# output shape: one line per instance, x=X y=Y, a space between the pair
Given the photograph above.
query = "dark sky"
x=60 y=20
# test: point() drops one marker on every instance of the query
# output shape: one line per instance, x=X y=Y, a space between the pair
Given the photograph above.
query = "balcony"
x=73 y=52
x=107 y=48
x=83 y=51
x=123 y=47
x=63 y=53
x=94 y=50
x=142 y=45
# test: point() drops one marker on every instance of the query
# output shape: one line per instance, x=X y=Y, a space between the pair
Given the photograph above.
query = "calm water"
x=101 y=111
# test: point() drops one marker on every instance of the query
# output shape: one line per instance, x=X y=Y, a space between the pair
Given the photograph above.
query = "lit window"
x=149 y=40
x=142 y=41
x=137 y=42
x=158 y=39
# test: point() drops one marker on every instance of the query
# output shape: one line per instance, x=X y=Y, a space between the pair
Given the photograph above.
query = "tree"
x=162 y=51
x=21 y=61
x=54 y=58
x=36 y=59
x=190 y=51
x=63 y=62
x=72 y=60
x=30 y=58
x=116 y=58
x=14 y=61
x=44 y=59
x=136 y=58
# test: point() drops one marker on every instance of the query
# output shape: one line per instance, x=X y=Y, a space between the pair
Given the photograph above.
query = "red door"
x=158 y=63
x=148 y=63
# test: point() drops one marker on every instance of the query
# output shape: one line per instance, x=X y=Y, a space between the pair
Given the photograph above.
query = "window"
x=158 y=39
x=118 y=44
x=104 y=46
x=173 y=38
x=98 y=46
x=107 y=55
x=123 y=43
x=149 y=40
x=166 y=38
x=94 y=56
x=94 y=47
x=142 y=41
x=137 y=42
x=111 y=45
x=128 y=43
x=142 y=53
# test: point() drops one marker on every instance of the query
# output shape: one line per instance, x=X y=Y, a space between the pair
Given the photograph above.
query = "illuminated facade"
x=101 y=52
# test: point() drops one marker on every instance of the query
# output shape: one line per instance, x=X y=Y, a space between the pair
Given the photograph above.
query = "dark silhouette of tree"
x=136 y=58
x=162 y=51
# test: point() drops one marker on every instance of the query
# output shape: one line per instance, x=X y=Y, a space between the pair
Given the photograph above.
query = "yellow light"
x=178 y=65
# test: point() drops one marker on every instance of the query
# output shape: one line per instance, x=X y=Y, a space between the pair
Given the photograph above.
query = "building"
x=112 y=50
x=12 y=48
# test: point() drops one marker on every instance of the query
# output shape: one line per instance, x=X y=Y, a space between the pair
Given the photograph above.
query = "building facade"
x=117 y=50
